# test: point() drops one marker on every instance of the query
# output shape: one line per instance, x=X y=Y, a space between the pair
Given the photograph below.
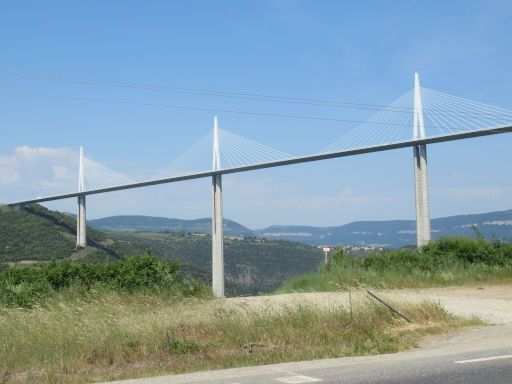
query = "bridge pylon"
x=81 y=223
x=217 y=219
x=423 y=233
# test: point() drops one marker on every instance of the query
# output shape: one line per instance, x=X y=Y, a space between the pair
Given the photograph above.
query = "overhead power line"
x=492 y=112
x=198 y=91
x=203 y=109
x=228 y=94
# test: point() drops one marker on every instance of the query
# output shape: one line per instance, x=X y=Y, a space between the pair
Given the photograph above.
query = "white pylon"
x=423 y=234
x=419 y=123
x=81 y=222
x=216 y=150
x=217 y=219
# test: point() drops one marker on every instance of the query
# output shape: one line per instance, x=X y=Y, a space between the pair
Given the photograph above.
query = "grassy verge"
x=106 y=336
x=445 y=262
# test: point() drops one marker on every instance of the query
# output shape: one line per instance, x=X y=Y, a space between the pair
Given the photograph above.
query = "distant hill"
x=390 y=234
x=162 y=224
x=396 y=233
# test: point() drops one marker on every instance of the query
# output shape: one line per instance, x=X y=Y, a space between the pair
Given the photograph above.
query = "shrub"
x=339 y=257
x=23 y=286
x=447 y=261
x=442 y=254
x=470 y=251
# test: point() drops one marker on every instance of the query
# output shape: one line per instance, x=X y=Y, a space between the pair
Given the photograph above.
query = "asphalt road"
x=478 y=356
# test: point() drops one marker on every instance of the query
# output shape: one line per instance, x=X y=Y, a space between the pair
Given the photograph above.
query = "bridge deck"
x=278 y=163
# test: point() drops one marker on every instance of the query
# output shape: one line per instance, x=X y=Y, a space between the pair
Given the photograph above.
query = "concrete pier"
x=81 y=218
x=217 y=221
x=423 y=234
x=217 y=239
x=81 y=230
x=421 y=186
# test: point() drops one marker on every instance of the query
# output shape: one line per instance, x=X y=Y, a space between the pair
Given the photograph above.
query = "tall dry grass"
x=106 y=336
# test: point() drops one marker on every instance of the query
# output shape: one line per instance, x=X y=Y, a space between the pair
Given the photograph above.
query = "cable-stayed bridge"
x=420 y=117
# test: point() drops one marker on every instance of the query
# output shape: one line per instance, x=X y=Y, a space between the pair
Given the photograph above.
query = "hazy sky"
x=361 y=51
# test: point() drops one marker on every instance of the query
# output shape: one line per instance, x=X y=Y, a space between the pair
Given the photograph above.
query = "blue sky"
x=364 y=51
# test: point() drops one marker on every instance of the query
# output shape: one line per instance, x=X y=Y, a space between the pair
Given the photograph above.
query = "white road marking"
x=297 y=379
x=484 y=359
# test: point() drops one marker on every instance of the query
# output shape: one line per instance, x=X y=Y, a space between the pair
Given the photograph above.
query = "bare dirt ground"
x=491 y=303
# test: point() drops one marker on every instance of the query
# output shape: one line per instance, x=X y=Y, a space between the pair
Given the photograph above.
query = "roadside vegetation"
x=78 y=322
x=101 y=336
x=26 y=286
x=444 y=262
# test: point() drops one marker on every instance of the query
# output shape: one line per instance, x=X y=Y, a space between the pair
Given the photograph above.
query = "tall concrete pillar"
x=81 y=222
x=423 y=233
x=81 y=230
x=217 y=221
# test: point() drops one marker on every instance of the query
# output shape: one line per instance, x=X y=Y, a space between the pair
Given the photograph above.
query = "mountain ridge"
x=382 y=233
x=151 y=223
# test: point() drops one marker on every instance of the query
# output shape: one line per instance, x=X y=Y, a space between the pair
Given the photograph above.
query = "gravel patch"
x=489 y=303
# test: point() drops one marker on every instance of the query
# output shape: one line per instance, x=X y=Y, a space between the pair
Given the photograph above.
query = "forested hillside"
x=253 y=265
x=34 y=234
